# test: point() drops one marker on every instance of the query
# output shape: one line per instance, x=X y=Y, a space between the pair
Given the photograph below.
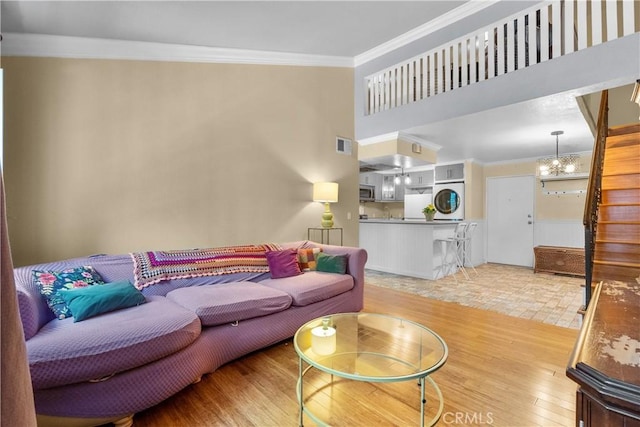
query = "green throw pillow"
x=93 y=300
x=331 y=263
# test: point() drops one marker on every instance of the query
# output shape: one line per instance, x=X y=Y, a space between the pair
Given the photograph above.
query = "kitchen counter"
x=408 y=221
x=406 y=247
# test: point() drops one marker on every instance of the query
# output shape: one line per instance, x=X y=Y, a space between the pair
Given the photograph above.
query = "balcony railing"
x=546 y=31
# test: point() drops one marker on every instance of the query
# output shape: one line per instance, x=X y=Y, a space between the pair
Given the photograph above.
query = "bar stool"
x=466 y=246
x=450 y=248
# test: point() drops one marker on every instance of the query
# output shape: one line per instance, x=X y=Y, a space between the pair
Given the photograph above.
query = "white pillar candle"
x=323 y=340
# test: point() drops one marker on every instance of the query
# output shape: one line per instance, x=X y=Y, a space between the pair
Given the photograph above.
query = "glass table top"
x=370 y=347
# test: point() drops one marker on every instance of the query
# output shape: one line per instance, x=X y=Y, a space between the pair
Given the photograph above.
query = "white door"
x=510 y=220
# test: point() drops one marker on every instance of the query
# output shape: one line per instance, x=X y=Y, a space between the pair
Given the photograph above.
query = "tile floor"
x=511 y=290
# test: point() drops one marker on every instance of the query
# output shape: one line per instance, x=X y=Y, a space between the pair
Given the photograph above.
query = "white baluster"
x=431 y=75
x=465 y=62
x=509 y=46
x=581 y=24
x=596 y=22
x=612 y=19
x=491 y=49
x=405 y=83
x=447 y=70
x=556 y=28
x=569 y=27
x=424 y=76
x=455 y=60
x=412 y=74
x=522 y=52
x=473 y=59
x=500 y=51
x=544 y=33
x=532 y=48
x=627 y=17
x=482 y=54
x=370 y=97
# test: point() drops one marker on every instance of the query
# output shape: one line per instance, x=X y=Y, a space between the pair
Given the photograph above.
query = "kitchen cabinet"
x=388 y=188
x=421 y=179
x=392 y=192
x=408 y=248
x=367 y=178
x=447 y=173
x=375 y=179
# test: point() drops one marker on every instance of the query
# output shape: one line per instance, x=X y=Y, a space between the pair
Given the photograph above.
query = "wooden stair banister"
x=594 y=189
x=612 y=209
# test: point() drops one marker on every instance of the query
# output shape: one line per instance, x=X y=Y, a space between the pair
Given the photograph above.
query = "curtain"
x=15 y=386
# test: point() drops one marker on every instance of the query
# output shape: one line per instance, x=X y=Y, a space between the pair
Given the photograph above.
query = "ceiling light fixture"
x=557 y=165
x=401 y=177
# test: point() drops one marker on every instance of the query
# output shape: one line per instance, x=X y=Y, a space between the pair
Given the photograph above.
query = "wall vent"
x=343 y=145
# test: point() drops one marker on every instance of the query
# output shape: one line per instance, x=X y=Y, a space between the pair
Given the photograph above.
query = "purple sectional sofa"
x=113 y=365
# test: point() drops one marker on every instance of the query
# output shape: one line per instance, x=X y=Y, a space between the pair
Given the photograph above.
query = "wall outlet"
x=348 y=215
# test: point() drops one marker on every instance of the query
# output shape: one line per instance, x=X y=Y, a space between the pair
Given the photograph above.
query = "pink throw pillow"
x=283 y=263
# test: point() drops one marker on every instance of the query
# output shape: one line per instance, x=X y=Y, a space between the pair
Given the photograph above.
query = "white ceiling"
x=333 y=28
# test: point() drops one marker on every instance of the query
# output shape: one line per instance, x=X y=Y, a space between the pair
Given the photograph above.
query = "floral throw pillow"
x=50 y=282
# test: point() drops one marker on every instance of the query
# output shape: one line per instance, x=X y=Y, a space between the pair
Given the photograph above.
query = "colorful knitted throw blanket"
x=156 y=266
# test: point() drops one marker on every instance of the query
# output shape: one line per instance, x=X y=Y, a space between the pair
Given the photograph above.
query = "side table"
x=324 y=231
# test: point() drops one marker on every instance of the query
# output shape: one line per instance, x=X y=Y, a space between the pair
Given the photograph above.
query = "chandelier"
x=402 y=177
x=557 y=165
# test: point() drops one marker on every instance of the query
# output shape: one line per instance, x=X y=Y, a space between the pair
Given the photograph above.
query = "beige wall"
x=474 y=179
x=548 y=207
x=622 y=111
x=107 y=156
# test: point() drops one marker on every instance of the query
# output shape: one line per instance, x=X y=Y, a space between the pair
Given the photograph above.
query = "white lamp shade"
x=326 y=192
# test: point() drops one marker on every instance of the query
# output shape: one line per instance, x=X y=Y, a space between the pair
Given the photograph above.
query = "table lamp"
x=326 y=192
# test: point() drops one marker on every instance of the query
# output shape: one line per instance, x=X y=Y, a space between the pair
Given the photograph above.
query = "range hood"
x=395 y=151
x=375 y=167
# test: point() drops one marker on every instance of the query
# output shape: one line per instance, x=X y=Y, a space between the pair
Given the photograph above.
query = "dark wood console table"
x=606 y=359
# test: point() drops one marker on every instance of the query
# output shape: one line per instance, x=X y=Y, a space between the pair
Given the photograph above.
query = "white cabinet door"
x=510 y=220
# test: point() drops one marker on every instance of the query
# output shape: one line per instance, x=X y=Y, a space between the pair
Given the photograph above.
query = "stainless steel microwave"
x=367 y=193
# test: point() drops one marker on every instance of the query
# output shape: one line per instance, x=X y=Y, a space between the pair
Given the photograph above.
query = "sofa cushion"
x=64 y=352
x=311 y=286
x=230 y=302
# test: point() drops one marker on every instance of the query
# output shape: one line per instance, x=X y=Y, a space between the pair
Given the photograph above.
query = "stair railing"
x=594 y=193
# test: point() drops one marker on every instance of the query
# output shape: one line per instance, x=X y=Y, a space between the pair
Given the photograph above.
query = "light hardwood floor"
x=501 y=371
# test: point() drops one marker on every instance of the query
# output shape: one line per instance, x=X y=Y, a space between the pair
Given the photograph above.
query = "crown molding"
x=15 y=44
x=582 y=154
x=467 y=9
x=379 y=138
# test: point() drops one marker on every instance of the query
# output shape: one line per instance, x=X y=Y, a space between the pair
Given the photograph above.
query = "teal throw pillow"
x=331 y=263
x=50 y=283
x=88 y=302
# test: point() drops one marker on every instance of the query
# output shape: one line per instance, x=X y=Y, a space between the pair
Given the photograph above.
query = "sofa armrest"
x=34 y=312
x=357 y=259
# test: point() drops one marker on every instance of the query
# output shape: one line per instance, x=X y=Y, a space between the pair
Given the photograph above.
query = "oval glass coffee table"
x=370 y=347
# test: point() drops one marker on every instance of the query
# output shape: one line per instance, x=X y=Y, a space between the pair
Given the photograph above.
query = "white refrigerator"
x=414 y=203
